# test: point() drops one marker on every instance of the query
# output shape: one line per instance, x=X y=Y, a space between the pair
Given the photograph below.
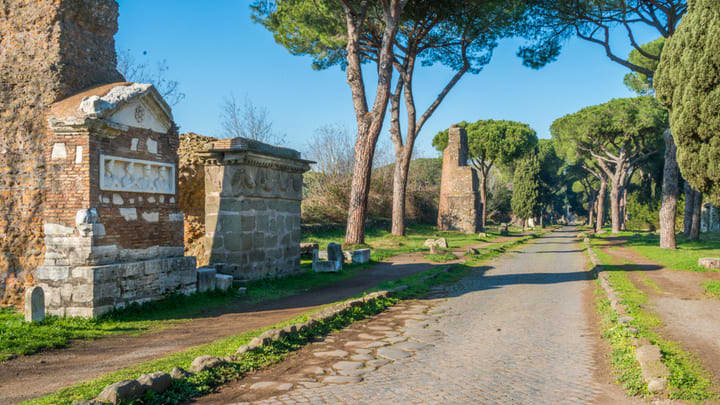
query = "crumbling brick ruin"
x=460 y=205
x=49 y=50
x=191 y=183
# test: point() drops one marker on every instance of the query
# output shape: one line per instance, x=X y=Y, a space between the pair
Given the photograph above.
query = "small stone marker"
x=335 y=254
x=34 y=304
x=358 y=256
x=206 y=279
x=223 y=282
x=709 y=262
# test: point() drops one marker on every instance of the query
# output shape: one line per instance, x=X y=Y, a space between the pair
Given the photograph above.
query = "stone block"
x=34 y=304
x=121 y=391
x=223 y=282
x=357 y=256
x=206 y=279
x=709 y=262
x=156 y=382
x=203 y=363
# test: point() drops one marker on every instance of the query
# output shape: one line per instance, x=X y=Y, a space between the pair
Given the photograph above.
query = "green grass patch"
x=384 y=244
x=712 y=288
x=622 y=355
x=685 y=257
x=688 y=380
x=441 y=257
x=19 y=337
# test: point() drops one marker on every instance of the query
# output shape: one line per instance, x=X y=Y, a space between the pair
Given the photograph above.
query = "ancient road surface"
x=515 y=331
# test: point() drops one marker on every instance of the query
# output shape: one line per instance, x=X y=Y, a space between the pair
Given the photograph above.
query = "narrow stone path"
x=32 y=376
x=516 y=331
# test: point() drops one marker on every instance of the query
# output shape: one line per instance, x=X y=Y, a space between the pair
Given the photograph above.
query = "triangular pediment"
x=136 y=105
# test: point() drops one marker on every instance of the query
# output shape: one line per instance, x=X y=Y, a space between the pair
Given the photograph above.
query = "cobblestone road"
x=513 y=333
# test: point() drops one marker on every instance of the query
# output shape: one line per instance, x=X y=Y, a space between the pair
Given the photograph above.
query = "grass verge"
x=685 y=257
x=712 y=288
x=205 y=382
x=688 y=379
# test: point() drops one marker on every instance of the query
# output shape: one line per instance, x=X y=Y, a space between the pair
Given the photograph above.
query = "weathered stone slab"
x=709 y=262
x=341 y=379
x=358 y=256
x=156 y=382
x=203 y=363
x=34 y=304
x=206 y=279
x=391 y=353
x=223 y=282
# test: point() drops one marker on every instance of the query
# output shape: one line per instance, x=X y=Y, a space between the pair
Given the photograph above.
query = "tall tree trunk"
x=615 y=205
x=689 y=207
x=601 y=205
x=483 y=197
x=591 y=211
x=669 y=194
x=369 y=121
x=400 y=177
x=696 y=216
x=623 y=207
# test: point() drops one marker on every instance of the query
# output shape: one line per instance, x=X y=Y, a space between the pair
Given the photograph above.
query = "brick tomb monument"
x=460 y=205
x=113 y=231
x=252 y=208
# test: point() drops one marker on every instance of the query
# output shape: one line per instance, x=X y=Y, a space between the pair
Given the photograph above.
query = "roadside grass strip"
x=712 y=288
x=384 y=244
x=236 y=367
x=441 y=257
x=688 y=379
x=685 y=257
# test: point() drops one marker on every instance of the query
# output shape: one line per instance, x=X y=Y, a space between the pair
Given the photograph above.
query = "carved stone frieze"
x=135 y=175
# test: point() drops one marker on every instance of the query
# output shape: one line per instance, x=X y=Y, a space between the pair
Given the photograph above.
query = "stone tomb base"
x=94 y=290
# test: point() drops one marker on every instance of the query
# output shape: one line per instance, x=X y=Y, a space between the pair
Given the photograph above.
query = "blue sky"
x=215 y=50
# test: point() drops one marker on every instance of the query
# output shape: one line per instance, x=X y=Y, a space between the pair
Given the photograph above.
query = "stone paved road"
x=515 y=333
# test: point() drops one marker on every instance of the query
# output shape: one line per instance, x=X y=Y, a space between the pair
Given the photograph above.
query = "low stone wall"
x=93 y=290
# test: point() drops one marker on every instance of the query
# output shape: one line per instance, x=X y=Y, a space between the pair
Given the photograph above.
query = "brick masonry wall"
x=191 y=193
x=460 y=206
x=49 y=49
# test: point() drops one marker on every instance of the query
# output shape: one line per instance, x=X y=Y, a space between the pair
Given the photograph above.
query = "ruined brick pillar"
x=460 y=207
x=49 y=49
x=253 y=193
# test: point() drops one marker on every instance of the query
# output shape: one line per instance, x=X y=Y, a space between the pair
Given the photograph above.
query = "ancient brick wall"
x=191 y=195
x=49 y=49
x=460 y=206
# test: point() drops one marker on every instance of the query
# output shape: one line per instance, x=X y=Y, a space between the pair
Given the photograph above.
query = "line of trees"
x=596 y=151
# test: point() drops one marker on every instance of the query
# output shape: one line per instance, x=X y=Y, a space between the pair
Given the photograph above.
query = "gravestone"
x=460 y=207
x=335 y=254
x=113 y=229
x=252 y=208
x=34 y=304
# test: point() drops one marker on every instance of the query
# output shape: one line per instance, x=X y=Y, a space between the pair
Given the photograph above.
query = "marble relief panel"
x=135 y=175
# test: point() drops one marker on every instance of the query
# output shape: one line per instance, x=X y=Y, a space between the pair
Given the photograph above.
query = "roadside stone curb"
x=654 y=372
x=129 y=390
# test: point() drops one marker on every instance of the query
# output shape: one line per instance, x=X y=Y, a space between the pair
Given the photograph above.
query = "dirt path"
x=689 y=316
x=32 y=376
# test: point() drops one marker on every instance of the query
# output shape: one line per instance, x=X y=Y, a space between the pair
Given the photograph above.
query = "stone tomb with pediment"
x=113 y=230
x=253 y=193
